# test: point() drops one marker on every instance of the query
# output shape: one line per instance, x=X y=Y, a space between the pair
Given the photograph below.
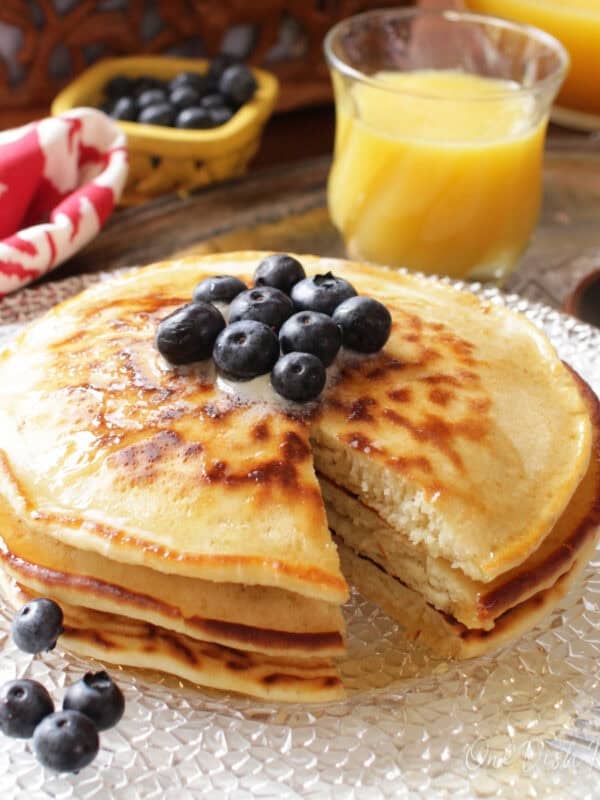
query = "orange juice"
x=451 y=185
x=576 y=23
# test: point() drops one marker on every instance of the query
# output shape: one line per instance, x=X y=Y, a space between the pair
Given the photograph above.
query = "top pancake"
x=468 y=409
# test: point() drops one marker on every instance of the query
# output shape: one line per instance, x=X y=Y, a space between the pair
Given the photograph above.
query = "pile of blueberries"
x=190 y=100
x=288 y=325
x=66 y=740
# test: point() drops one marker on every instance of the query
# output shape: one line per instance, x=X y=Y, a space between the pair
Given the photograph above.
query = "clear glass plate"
x=523 y=722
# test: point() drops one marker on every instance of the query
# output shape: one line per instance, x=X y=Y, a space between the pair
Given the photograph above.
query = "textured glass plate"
x=524 y=722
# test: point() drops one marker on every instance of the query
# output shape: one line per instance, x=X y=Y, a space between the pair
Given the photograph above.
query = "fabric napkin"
x=60 y=179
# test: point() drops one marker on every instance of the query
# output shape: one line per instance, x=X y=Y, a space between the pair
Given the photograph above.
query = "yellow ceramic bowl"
x=166 y=159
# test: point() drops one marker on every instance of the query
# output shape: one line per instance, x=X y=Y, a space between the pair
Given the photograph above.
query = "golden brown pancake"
x=256 y=618
x=450 y=463
x=438 y=603
x=119 y=640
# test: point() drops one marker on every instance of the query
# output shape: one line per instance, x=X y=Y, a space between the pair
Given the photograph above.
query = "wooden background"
x=45 y=43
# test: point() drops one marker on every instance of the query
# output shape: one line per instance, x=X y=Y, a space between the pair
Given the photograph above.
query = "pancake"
x=466 y=431
x=255 y=618
x=474 y=604
x=442 y=633
x=116 y=639
x=107 y=449
x=458 y=468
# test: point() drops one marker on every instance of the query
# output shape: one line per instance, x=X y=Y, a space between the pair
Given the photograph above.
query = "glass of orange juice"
x=576 y=23
x=440 y=125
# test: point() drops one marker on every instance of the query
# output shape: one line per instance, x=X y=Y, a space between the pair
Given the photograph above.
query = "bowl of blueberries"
x=189 y=122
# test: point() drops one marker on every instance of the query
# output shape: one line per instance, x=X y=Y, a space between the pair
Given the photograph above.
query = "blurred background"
x=44 y=44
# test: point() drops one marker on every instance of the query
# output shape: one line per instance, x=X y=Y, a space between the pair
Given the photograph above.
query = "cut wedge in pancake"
x=432 y=599
x=442 y=633
x=456 y=466
x=466 y=431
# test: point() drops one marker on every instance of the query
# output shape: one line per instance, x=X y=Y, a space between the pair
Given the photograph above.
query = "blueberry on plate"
x=218 y=289
x=66 y=741
x=184 y=96
x=220 y=115
x=23 y=705
x=125 y=109
x=151 y=97
x=365 y=324
x=321 y=293
x=193 y=118
x=299 y=377
x=157 y=114
x=279 y=270
x=189 y=333
x=238 y=84
x=263 y=304
x=37 y=625
x=119 y=86
x=245 y=350
x=311 y=332
x=98 y=697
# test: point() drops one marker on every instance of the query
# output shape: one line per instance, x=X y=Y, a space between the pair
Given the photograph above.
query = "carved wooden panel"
x=45 y=43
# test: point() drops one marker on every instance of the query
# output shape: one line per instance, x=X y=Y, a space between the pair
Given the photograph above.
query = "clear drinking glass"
x=440 y=125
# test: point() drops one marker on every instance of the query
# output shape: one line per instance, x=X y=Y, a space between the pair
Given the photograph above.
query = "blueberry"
x=245 y=350
x=192 y=80
x=311 y=332
x=184 y=96
x=321 y=293
x=37 y=625
x=238 y=84
x=189 y=333
x=98 y=697
x=280 y=271
x=264 y=304
x=125 y=109
x=23 y=704
x=218 y=66
x=66 y=741
x=365 y=324
x=218 y=289
x=193 y=118
x=144 y=83
x=118 y=86
x=213 y=100
x=219 y=116
x=157 y=114
x=299 y=377
x=151 y=97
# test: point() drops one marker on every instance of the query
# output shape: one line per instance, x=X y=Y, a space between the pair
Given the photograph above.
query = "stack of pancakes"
x=188 y=530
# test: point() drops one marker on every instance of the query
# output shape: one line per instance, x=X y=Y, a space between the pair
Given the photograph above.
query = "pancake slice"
x=104 y=447
x=119 y=640
x=440 y=605
x=466 y=431
x=253 y=618
x=442 y=633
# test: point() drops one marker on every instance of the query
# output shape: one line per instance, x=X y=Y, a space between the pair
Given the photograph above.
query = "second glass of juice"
x=440 y=127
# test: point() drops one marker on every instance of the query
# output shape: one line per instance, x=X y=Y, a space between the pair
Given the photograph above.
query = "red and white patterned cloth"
x=60 y=179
